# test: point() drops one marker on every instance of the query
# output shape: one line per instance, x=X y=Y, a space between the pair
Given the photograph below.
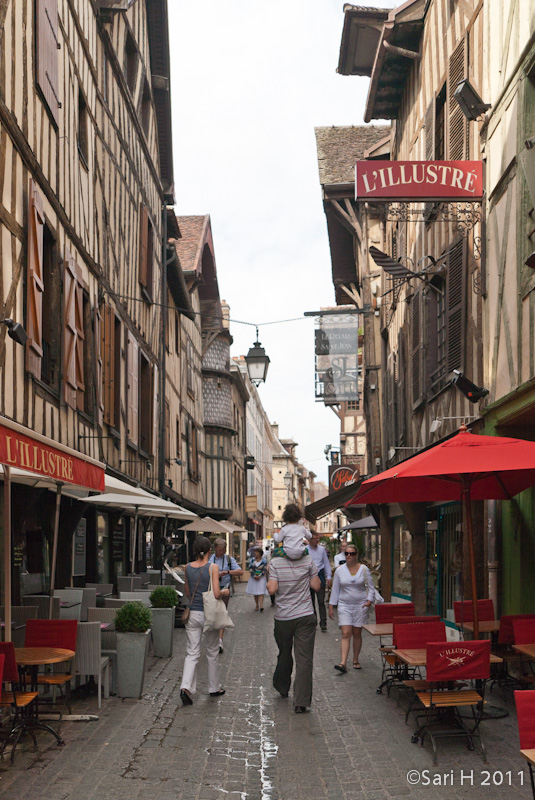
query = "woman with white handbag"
x=198 y=582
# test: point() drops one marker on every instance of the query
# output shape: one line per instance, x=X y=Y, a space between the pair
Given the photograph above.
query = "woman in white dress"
x=353 y=593
x=256 y=584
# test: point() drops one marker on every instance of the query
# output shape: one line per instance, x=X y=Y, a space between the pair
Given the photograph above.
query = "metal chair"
x=108 y=639
x=42 y=601
x=89 y=659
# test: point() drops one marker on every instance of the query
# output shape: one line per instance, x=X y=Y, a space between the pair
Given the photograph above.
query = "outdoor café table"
x=384 y=629
x=29 y=659
x=525 y=649
x=491 y=626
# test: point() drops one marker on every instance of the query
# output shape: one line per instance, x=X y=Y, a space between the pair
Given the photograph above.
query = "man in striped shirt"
x=295 y=625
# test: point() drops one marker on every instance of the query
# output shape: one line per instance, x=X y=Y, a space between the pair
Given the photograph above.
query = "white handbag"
x=216 y=615
x=378 y=599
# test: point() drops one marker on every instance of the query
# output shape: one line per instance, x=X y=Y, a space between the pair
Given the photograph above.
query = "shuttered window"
x=457 y=122
x=46 y=54
x=35 y=284
x=145 y=404
x=456 y=304
x=132 y=389
x=80 y=345
x=69 y=330
x=417 y=365
x=146 y=254
x=155 y=411
x=98 y=354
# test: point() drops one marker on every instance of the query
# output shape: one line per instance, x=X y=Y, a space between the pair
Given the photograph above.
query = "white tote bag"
x=216 y=615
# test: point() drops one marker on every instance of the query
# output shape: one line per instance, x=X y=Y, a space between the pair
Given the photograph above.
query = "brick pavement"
x=250 y=745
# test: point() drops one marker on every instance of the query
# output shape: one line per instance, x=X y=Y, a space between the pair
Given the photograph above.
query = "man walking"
x=340 y=557
x=228 y=567
x=295 y=626
x=321 y=560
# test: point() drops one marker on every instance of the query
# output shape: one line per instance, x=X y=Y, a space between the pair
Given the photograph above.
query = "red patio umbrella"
x=466 y=467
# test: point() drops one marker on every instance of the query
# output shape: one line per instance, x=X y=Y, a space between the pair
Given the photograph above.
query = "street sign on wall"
x=336 y=350
x=419 y=180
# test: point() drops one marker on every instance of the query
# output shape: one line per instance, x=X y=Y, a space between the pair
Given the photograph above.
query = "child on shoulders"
x=291 y=535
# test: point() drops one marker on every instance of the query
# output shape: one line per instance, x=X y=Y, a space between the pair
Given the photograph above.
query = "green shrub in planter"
x=164 y=597
x=133 y=617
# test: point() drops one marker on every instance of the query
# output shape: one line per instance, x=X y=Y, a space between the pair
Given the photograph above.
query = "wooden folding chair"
x=525 y=712
x=23 y=705
x=510 y=657
x=448 y=663
x=54 y=633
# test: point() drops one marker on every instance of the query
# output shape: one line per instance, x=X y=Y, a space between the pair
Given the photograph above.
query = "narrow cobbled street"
x=250 y=745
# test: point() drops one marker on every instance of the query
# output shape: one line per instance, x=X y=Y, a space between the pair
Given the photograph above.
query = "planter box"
x=131 y=656
x=163 y=624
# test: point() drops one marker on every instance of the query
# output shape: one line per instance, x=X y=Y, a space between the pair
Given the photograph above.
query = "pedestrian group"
x=297 y=577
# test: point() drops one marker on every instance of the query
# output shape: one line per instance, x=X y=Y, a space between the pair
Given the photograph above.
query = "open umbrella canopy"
x=204 y=525
x=144 y=504
x=361 y=524
x=494 y=467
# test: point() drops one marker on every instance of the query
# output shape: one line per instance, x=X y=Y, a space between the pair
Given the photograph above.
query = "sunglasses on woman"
x=350 y=553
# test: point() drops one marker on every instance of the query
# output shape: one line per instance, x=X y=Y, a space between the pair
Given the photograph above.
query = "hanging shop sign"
x=339 y=477
x=419 y=180
x=336 y=350
x=33 y=453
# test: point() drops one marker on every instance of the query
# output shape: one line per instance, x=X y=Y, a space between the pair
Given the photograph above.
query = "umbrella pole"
x=54 y=552
x=7 y=552
x=468 y=508
x=163 y=547
x=134 y=543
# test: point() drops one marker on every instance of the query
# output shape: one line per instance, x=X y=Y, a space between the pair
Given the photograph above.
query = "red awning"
x=23 y=448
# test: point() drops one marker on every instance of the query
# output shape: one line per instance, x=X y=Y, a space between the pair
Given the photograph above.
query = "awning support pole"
x=7 y=552
x=54 y=551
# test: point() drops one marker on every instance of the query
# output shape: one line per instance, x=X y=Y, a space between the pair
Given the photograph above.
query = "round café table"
x=29 y=659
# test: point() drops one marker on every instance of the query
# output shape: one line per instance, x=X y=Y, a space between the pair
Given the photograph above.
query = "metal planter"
x=131 y=657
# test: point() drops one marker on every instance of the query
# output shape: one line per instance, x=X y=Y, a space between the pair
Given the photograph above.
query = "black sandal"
x=341 y=668
x=218 y=693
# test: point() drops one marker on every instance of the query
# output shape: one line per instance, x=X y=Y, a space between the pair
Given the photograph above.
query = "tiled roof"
x=189 y=246
x=339 y=147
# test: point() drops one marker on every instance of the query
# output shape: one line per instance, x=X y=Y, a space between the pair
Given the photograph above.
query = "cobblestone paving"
x=250 y=745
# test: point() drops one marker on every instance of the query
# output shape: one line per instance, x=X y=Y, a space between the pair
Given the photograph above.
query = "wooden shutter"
x=98 y=361
x=456 y=312
x=69 y=330
x=132 y=389
x=35 y=284
x=399 y=387
x=143 y=246
x=417 y=325
x=430 y=131
x=46 y=54
x=156 y=412
x=80 y=341
x=390 y=410
x=457 y=122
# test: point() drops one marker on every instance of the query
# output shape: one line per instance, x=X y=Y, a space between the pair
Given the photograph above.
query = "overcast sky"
x=250 y=81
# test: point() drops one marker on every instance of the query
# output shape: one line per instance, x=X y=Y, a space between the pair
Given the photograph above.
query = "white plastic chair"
x=108 y=640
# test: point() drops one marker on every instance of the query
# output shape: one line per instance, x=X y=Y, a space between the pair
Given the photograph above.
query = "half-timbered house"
x=431 y=325
x=86 y=176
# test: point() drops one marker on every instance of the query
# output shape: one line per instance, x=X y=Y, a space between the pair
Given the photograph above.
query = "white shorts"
x=354 y=615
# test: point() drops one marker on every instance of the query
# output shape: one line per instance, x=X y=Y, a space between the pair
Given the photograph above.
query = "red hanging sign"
x=23 y=451
x=419 y=180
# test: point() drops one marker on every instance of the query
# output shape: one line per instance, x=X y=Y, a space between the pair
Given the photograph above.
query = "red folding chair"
x=416 y=636
x=446 y=664
x=53 y=633
x=464 y=611
x=23 y=704
x=410 y=621
x=386 y=612
x=506 y=640
x=525 y=712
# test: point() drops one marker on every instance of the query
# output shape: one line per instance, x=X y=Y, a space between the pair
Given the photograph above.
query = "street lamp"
x=257 y=362
x=287 y=483
x=15 y=331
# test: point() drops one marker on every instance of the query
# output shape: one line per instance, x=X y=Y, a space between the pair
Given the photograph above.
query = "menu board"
x=117 y=543
x=79 y=548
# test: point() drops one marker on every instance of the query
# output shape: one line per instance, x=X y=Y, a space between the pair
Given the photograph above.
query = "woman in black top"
x=197 y=582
